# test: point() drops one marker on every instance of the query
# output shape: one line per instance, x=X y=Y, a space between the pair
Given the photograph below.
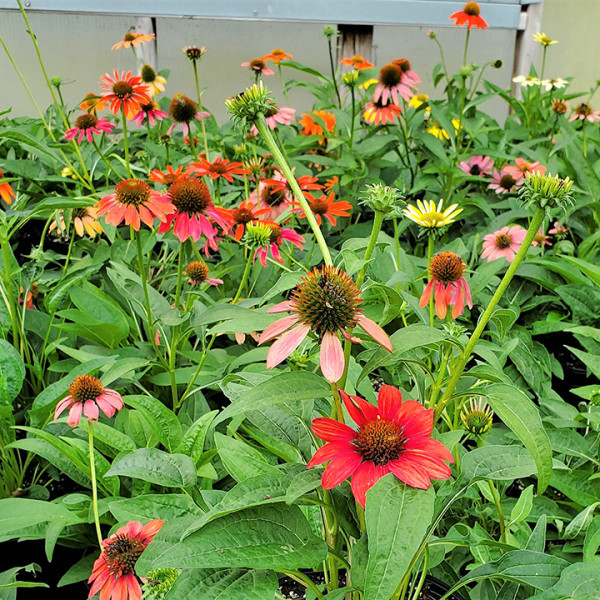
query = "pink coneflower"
x=277 y=116
x=584 y=111
x=477 y=166
x=410 y=78
x=508 y=180
x=391 y=83
x=558 y=229
x=274 y=236
x=194 y=211
x=326 y=302
x=132 y=201
x=541 y=239
x=221 y=167
x=197 y=273
x=326 y=207
x=167 y=177
x=375 y=112
x=504 y=243
x=448 y=284
x=392 y=437
x=88 y=395
x=184 y=110
x=87 y=124
x=114 y=574
x=523 y=167
x=259 y=66
x=126 y=91
x=149 y=111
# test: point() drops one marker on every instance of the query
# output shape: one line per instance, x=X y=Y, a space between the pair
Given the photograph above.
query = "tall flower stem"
x=144 y=277
x=430 y=247
x=466 y=45
x=126 y=143
x=543 y=62
x=179 y=284
x=536 y=221
x=106 y=161
x=200 y=107
x=269 y=140
x=94 y=486
x=244 y=280
x=496 y=497
x=353 y=117
x=198 y=369
x=335 y=85
x=377 y=223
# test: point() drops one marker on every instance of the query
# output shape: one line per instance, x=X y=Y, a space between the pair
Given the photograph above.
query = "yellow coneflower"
x=418 y=99
x=543 y=39
x=427 y=214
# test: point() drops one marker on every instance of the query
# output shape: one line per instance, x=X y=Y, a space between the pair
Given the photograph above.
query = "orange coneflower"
x=331 y=183
x=134 y=39
x=242 y=215
x=470 y=15
x=325 y=206
x=85 y=220
x=6 y=191
x=358 y=62
x=132 y=201
x=277 y=55
x=167 y=177
x=312 y=128
x=221 y=167
x=126 y=91
x=92 y=103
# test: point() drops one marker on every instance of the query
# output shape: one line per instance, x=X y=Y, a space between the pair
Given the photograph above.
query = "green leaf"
x=580 y=522
x=397 y=517
x=500 y=463
x=12 y=373
x=591 y=361
x=579 y=581
x=570 y=443
x=286 y=387
x=80 y=571
x=577 y=486
x=405 y=339
x=590 y=269
x=523 y=418
x=304 y=482
x=241 y=460
x=523 y=506
x=9 y=583
x=154 y=506
x=504 y=319
x=592 y=539
x=527 y=567
x=267 y=537
x=192 y=442
x=163 y=420
x=224 y=584
x=155 y=466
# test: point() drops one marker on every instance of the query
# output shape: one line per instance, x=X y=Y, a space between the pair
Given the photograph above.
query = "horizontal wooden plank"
x=502 y=14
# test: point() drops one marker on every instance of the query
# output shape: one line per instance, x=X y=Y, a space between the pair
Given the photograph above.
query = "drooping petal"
x=332 y=357
x=90 y=410
x=409 y=473
x=284 y=306
x=151 y=528
x=364 y=478
x=75 y=414
x=277 y=328
x=286 y=344
x=330 y=430
x=377 y=333
x=426 y=295
x=339 y=469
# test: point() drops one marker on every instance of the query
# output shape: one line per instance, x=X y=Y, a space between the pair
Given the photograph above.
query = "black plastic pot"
x=434 y=589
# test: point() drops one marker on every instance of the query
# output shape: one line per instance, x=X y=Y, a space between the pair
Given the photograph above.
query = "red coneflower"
x=313 y=128
x=242 y=215
x=392 y=437
x=273 y=236
x=150 y=112
x=358 y=62
x=125 y=90
x=167 y=177
x=6 y=191
x=326 y=302
x=184 y=110
x=377 y=112
x=132 y=201
x=88 y=395
x=194 y=211
x=325 y=206
x=391 y=83
x=330 y=183
x=504 y=243
x=276 y=56
x=447 y=282
x=134 y=39
x=197 y=273
x=470 y=15
x=32 y=294
x=87 y=124
x=221 y=167
x=259 y=66
x=274 y=196
x=113 y=574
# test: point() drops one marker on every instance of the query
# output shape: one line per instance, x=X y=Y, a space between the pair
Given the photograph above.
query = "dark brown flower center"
x=271 y=112
x=475 y=170
x=380 y=441
x=559 y=107
x=583 y=109
x=34 y=290
x=132 y=191
x=122 y=89
x=86 y=121
x=193 y=52
x=327 y=300
x=503 y=241
x=129 y=37
x=446 y=267
x=242 y=215
x=182 y=108
x=403 y=64
x=319 y=206
x=148 y=74
x=218 y=168
x=189 y=196
x=147 y=107
x=197 y=271
x=390 y=75
x=121 y=553
x=472 y=9
x=273 y=195
x=85 y=387
x=257 y=64
x=507 y=182
x=80 y=212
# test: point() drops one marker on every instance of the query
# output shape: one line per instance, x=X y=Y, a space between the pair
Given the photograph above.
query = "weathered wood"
x=526 y=50
x=355 y=39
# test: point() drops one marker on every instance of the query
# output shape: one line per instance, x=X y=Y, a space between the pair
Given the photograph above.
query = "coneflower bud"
x=194 y=53
x=330 y=31
x=476 y=417
x=258 y=234
x=546 y=191
x=248 y=106
x=384 y=199
x=158 y=583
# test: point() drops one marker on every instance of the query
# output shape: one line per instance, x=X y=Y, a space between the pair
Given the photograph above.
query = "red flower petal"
x=332 y=431
x=340 y=469
x=410 y=473
x=328 y=452
x=420 y=424
x=360 y=410
x=364 y=478
x=389 y=402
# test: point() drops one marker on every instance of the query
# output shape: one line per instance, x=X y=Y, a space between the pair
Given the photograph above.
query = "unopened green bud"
x=330 y=31
x=477 y=417
x=258 y=234
x=158 y=583
x=384 y=199
x=248 y=106
x=432 y=34
x=350 y=79
x=56 y=82
x=546 y=191
x=498 y=63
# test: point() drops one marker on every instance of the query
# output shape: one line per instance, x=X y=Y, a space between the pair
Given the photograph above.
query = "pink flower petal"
x=286 y=344
x=332 y=357
x=376 y=332
x=75 y=414
x=277 y=328
x=284 y=306
x=90 y=410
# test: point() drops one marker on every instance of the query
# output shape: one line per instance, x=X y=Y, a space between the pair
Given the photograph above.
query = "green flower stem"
x=198 y=369
x=94 y=487
x=267 y=136
x=534 y=225
x=331 y=529
x=419 y=587
x=245 y=276
x=438 y=384
x=181 y=256
x=444 y=68
x=500 y=511
x=144 y=277
x=353 y=117
x=106 y=161
x=10 y=295
x=466 y=45
x=377 y=223
x=126 y=143
x=335 y=85
x=430 y=248
x=543 y=64
x=69 y=252
x=337 y=409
